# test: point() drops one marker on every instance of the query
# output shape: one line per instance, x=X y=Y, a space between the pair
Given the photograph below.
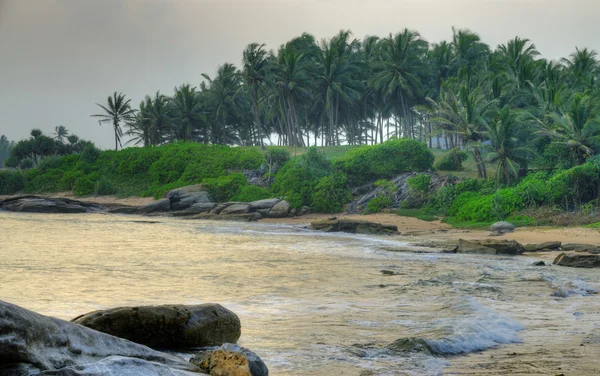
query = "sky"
x=60 y=57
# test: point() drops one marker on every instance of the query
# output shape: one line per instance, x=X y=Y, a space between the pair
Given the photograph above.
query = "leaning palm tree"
x=255 y=60
x=60 y=133
x=117 y=111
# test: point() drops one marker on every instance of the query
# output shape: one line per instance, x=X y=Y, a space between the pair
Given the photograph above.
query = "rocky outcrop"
x=576 y=260
x=279 y=210
x=542 y=247
x=35 y=345
x=167 y=326
x=502 y=227
x=201 y=207
x=263 y=204
x=236 y=209
x=159 y=206
x=489 y=246
x=38 y=204
x=230 y=360
x=354 y=227
x=247 y=217
x=587 y=248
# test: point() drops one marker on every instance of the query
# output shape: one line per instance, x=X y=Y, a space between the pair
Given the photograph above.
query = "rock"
x=236 y=209
x=263 y=204
x=201 y=207
x=37 y=204
x=124 y=209
x=220 y=207
x=539 y=263
x=489 y=246
x=32 y=344
x=182 y=192
x=230 y=360
x=418 y=233
x=388 y=272
x=159 y=206
x=496 y=233
x=574 y=260
x=167 y=326
x=189 y=200
x=588 y=248
x=247 y=217
x=502 y=227
x=279 y=210
x=354 y=227
x=303 y=211
x=543 y=247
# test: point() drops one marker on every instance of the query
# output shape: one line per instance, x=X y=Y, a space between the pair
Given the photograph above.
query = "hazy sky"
x=59 y=57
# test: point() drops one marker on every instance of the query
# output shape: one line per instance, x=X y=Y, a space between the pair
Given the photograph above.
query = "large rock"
x=167 y=326
x=279 y=210
x=489 y=246
x=577 y=260
x=32 y=344
x=588 y=248
x=354 y=227
x=189 y=200
x=220 y=207
x=158 y=206
x=542 y=247
x=502 y=227
x=236 y=209
x=230 y=360
x=201 y=207
x=37 y=204
x=263 y=204
x=182 y=192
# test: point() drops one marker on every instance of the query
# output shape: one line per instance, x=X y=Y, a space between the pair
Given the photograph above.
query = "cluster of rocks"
x=353 y=227
x=123 y=341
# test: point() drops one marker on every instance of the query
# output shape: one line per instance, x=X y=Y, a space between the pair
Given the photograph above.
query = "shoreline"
x=410 y=228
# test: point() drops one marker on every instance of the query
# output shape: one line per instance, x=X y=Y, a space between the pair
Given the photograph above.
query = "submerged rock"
x=32 y=344
x=490 y=246
x=230 y=360
x=539 y=263
x=502 y=227
x=167 y=326
x=354 y=227
x=574 y=260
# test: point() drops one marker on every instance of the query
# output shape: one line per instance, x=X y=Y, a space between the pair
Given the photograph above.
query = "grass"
x=416 y=213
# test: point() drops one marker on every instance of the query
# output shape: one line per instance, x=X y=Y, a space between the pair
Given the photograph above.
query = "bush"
x=49 y=181
x=383 y=200
x=384 y=161
x=224 y=188
x=69 y=178
x=330 y=194
x=447 y=162
x=89 y=154
x=105 y=188
x=275 y=158
x=83 y=186
x=251 y=193
x=11 y=182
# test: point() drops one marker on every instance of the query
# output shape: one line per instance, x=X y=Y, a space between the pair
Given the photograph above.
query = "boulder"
x=230 y=360
x=201 y=207
x=189 y=200
x=159 y=206
x=539 y=263
x=303 y=211
x=263 y=204
x=123 y=209
x=220 y=207
x=576 y=260
x=32 y=344
x=502 y=227
x=236 y=209
x=167 y=326
x=490 y=246
x=246 y=217
x=354 y=227
x=182 y=192
x=542 y=247
x=588 y=248
x=37 y=204
x=279 y=210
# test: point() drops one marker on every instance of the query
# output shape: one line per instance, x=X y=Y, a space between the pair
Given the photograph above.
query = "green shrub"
x=83 y=186
x=275 y=158
x=105 y=188
x=384 y=161
x=224 y=188
x=49 y=181
x=330 y=194
x=89 y=154
x=448 y=161
x=11 y=182
x=69 y=178
x=383 y=200
x=251 y=193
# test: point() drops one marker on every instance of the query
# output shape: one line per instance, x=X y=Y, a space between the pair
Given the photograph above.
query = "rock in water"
x=32 y=344
x=577 y=260
x=230 y=360
x=167 y=326
x=502 y=227
x=354 y=227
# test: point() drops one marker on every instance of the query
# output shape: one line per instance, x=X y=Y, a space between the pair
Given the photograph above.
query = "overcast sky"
x=59 y=57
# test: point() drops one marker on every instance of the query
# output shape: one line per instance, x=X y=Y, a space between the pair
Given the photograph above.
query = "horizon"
x=62 y=57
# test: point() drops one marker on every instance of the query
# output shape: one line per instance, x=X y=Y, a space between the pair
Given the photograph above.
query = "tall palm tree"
x=60 y=133
x=255 y=60
x=117 y=111
x=583 y=65
x=153 y=120
x=188 y=113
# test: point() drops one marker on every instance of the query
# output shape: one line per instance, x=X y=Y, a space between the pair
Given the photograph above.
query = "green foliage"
x=69 y=178
x=83 y=186
x=330 y=194
x=105 y=188
x=251 y=193
x=383 y=200
x=384 y=161
x=448 y=161
x=224 y=188
x=275 y=158
x=11 y=182
x=39 y=181
x=89 y=154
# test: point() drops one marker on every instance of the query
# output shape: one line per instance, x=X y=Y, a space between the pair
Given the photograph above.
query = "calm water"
x=312 y=303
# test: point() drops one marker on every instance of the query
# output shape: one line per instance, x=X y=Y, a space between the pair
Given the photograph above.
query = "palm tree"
x=583 y=66
x=188 y=113
x=255 y=60
x=152 y=122
x=60 y=133
x=117 y=111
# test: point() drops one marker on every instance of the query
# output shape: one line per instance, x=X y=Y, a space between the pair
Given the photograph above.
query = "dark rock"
x=303 y=211
x=230 y=360
x=32 y=344
x=38 y=204
x=539 y=263
x=201 y=207
x=167 y=326
x=279 y=210
x=123 y=209
x=502 y=227
x=490 y=246
x=236 y=209
x=588 y=248
x=388 y=272
x=263 y=204
x=543 y=247
x=159 y=206
x=189 y=200
x=574 y=260
x=220 y=207
x=247 y=217
x=418 y=233
x=354 y=227
x=496 y=233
